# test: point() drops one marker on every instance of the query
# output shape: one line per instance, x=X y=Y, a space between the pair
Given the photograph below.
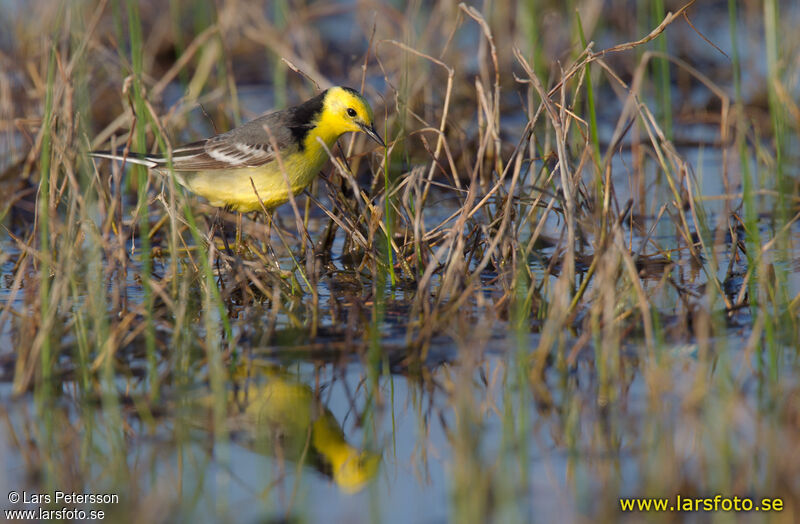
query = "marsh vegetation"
x=572 y=276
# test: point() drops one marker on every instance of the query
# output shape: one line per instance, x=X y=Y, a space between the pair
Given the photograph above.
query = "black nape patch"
x=302 y=118
x=352 y=91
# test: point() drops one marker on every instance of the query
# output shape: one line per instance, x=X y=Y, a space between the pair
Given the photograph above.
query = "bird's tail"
x=134 y=158
x=150 y=161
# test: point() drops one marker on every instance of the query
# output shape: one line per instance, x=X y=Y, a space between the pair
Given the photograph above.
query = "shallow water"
x=465 y=419
x=465 y=431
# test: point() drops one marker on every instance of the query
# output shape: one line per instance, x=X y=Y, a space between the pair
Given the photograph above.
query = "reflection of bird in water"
x=276 y=414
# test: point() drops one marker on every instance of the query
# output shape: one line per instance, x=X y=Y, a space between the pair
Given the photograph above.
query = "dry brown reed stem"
x=420 y=303
x=516 y=160
x=352 y=142
x=159 y=86
x=633 y=275
x=586 y=57
x=184 y=59
x=724 y=126
x=557 y=313
x=759 y=256
x=13 y=290
x=495 y=102
x=264 y=33
x=793 y=305
x=652 y=229
x=506 y=217
x=457 y=239
x=345 y=224
x=417 y=218
x=440 y=140
x=300 y=72
x=666 y=151
x=668 y=19
x=788 y=100
x=453 y=170
x=561 y=128
x=362 y=200
x=711 y=274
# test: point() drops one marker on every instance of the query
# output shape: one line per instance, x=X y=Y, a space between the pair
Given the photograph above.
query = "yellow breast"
x=245 y=189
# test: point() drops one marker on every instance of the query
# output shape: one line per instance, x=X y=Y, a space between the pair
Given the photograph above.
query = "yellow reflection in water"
x=280 y=415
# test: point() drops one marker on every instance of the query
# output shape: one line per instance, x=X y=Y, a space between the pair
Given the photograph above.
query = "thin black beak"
x=370 y=131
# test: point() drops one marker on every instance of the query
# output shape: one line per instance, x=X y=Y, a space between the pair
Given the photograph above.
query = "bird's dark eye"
x=351 y=111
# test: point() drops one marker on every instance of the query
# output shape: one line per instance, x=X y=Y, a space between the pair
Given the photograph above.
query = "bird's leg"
x=228 y=250
x=348 y=201
x=268 y=217
x=211 y=232
x=238 y=231
x=213 y=226
x=323 y=247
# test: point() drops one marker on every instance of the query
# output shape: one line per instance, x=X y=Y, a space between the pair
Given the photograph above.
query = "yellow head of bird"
x=348 y=111
x=355 y=469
